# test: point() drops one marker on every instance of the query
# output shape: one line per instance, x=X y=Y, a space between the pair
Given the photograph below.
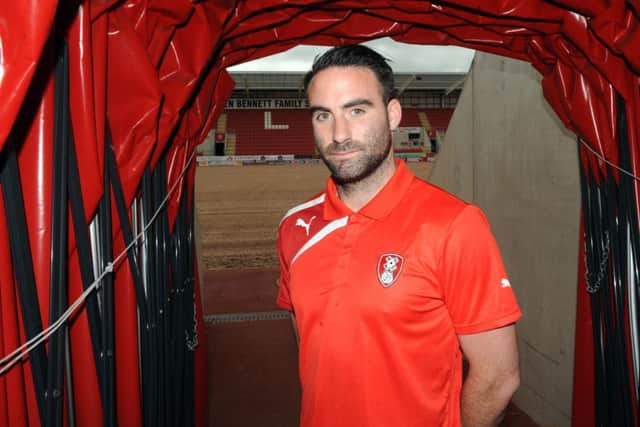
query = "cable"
x=601 y=157
x=15 y=356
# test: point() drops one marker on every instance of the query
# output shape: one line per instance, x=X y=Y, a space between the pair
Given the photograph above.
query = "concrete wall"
x=507 y=152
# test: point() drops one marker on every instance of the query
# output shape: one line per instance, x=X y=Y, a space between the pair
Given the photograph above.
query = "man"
x=391 y=279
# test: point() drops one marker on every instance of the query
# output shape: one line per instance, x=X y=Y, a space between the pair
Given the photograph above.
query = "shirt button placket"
x=352 y=233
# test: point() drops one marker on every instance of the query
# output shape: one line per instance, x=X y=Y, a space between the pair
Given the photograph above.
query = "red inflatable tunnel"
x=103 y=104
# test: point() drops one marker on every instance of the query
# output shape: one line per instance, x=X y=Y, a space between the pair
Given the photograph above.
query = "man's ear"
x=394 y=112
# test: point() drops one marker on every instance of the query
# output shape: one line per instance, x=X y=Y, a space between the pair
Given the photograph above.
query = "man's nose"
x=341 y=131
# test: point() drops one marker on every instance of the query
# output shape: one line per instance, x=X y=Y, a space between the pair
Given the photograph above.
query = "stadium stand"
x=274 y=131
x=410 y=117
x=266 y=115
x=440 y=118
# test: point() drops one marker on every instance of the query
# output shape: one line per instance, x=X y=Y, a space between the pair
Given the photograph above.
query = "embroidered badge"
x=389 y=269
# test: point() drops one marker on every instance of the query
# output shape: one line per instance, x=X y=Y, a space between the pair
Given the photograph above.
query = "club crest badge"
x=389 y=269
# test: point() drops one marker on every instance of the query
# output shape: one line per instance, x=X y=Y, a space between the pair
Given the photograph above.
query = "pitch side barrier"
x=270 y=159
x=282 y=159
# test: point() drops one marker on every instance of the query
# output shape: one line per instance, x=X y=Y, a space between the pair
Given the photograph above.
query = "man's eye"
x=357 y=111
x=320 y=117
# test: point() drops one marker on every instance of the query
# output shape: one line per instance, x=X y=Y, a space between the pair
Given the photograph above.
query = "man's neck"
x=358 y=194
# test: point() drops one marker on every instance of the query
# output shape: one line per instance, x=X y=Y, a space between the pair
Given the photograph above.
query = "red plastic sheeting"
x=24 y=29
x=154 y=71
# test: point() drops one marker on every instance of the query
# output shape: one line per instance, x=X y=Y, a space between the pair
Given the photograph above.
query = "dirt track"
x=239 y=208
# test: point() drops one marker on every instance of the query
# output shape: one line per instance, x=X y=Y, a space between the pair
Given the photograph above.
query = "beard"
x=371 y=153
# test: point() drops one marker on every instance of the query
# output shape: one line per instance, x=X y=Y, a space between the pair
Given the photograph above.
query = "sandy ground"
x=239 y=208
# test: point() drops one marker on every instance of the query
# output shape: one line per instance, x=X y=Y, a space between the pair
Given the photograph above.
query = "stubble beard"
x=372 y=154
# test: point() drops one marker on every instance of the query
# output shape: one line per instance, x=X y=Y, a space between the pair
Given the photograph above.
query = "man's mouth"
x=342 y=151
x=345 y=153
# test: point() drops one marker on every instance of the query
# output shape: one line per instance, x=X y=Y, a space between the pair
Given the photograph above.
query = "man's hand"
x=493 y=375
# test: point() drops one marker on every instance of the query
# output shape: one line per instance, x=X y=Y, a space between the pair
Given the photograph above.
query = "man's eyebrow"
x=356 y=102
x=359 y=101
x=315 y=108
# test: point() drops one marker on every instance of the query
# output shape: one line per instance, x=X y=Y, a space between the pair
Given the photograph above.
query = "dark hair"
x=355 y=55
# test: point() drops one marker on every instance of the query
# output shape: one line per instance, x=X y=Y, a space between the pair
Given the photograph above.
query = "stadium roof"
x=254 y=80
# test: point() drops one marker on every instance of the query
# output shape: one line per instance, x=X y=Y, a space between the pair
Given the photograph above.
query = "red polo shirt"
x=380 y=296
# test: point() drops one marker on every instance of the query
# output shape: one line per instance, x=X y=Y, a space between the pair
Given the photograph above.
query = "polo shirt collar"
x=381 y=204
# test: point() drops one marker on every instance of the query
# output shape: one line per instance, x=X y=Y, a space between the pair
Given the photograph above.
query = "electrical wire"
x=604 y=159
x=15 y=356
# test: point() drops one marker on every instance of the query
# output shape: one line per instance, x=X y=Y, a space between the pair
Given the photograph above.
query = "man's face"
x=351 y=123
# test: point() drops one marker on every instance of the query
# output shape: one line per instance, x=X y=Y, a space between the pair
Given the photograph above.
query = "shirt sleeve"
x=284 y=298
x=475 y=286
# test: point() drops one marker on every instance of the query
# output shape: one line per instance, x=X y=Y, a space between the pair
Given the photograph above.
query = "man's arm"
x=493 y=375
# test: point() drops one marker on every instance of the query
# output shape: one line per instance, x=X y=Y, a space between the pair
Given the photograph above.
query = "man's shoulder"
x=435 y=200
x=443 y=211
x=299 y=225
x=314 y=204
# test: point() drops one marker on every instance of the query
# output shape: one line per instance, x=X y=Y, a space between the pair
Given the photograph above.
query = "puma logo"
x=300 y=223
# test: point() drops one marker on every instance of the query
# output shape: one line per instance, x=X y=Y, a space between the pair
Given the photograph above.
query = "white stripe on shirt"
x=324 y=232
x=303 y=206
